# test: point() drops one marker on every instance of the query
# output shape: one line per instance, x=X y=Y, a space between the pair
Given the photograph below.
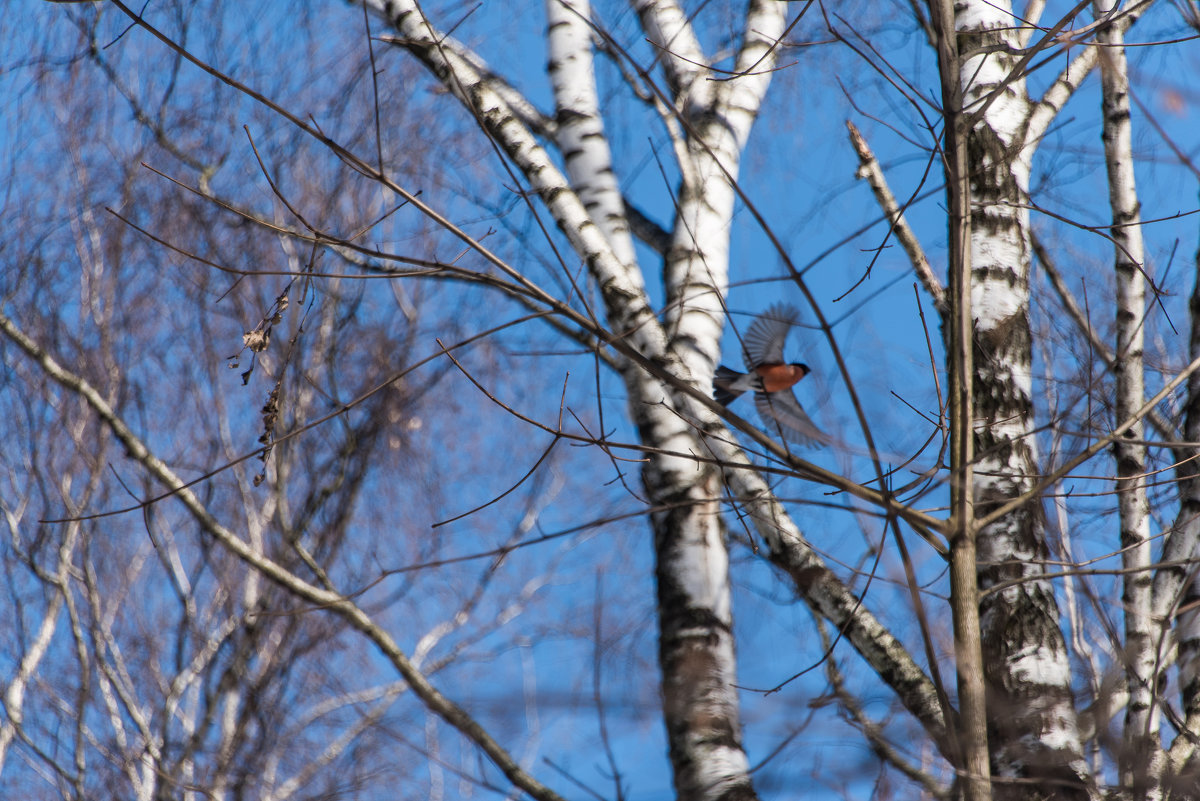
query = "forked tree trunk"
x=696 y=644
x=695 y=617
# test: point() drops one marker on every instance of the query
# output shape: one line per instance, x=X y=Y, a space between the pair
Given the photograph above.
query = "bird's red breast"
x=777 y=377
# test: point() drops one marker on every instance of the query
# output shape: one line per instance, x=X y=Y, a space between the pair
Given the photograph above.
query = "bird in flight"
x=770 y=378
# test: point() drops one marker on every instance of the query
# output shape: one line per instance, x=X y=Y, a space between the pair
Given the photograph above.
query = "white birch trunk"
x=1032 y=732
x=1177 y=585
x=1141 y=759
x=580 y=131
x=696 y=648
x=696 y=640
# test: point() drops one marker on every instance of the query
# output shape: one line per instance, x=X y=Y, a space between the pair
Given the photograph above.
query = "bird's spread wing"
x=764 y=341
x=783 y=414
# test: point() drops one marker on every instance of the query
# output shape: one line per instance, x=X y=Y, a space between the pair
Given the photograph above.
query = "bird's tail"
x=723 y=391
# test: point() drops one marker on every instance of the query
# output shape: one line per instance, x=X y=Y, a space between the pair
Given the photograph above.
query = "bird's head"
x=801 y=368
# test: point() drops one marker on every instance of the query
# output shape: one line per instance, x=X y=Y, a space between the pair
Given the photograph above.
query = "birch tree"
x=965 y=560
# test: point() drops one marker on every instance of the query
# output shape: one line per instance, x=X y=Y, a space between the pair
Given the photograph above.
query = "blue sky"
x=799 y=170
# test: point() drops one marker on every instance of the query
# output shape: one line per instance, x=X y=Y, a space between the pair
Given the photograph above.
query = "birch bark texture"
x=696 y=648
x=1142 y=757
x=1032 y=729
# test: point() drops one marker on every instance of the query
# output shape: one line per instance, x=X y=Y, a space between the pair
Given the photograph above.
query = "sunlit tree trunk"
x=711 y=124
x=1141 y=758
x=1032 y=728
x=1177 y=583
x=696 y=647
